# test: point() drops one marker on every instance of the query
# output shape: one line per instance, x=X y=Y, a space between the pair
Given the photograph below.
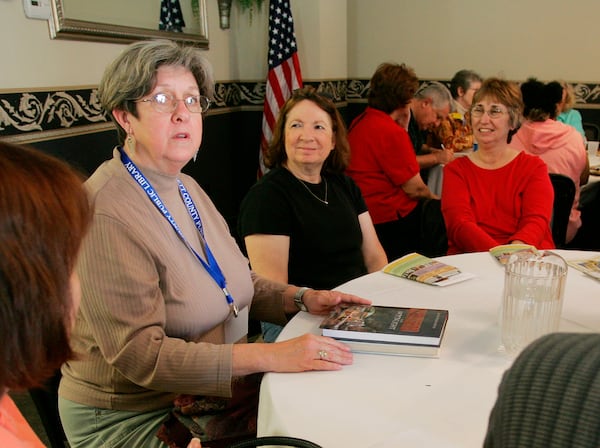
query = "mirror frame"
x=63 y=27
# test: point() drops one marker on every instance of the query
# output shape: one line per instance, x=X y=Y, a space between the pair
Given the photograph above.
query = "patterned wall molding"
x=31 y=116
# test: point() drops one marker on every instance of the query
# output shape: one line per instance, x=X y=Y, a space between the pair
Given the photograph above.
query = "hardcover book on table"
x=423 y=269
x=389 y=330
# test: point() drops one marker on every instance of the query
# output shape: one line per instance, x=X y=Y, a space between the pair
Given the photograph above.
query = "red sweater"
x=382 y=159
x=485 y=208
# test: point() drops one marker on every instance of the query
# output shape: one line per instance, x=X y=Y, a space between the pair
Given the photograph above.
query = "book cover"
x=503 y=252
x=423 y=269
x=384 y=329
x=589 y=266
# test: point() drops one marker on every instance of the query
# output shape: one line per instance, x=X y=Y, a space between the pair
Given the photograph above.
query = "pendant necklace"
x=324 y=201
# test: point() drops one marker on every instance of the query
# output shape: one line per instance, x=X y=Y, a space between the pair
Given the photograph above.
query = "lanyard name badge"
x=212 y=267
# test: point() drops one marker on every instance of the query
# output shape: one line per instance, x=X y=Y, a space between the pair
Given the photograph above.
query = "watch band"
x=298 y=299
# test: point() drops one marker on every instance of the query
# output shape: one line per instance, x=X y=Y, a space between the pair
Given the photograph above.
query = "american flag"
x=284 y=69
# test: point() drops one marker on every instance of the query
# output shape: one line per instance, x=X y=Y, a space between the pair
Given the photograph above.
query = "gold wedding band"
x=322 y=354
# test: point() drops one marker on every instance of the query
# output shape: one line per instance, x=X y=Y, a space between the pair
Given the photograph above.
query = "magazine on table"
x=426 y=270
x=589 y=266
x=503 y=252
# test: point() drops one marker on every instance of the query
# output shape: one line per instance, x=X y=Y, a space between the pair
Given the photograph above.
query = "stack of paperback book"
x=388 y=330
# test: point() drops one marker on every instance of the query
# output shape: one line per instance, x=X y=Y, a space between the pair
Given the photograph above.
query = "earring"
x=195 y=156
x=130 y=141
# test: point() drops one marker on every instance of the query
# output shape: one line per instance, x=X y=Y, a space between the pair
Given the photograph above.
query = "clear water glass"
x=534 y=286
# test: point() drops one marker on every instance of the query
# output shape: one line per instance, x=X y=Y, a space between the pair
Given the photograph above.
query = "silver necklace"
x=324 y=201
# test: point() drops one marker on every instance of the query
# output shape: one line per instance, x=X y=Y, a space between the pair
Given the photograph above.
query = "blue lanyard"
x=212 y=267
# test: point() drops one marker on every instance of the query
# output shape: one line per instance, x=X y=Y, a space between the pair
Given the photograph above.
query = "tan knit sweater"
x=151 y=319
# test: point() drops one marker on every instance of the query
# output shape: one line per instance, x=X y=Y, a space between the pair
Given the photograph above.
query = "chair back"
x=433 y=237
x=592 y=131
x=275 y=441
x=564 y=195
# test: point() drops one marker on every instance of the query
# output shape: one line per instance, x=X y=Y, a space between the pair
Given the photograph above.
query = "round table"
x=390 y=401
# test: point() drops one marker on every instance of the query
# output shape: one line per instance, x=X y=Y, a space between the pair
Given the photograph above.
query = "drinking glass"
x=534 y=285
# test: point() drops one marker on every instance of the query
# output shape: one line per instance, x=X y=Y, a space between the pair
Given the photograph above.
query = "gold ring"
x=322 y=354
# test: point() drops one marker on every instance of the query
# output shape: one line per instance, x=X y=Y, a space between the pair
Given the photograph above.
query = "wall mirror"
x=119 y=21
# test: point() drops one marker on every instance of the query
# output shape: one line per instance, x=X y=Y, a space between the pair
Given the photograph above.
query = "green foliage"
x=196 y=9
x=249 y=4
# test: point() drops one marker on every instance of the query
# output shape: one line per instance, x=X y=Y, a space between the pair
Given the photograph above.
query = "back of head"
x=550 y=397
x=568 y=99
x=392 y=86
x=338 y=160
x=44 y=213
x=435 y=91
x=540 y=99
x=463 y=79
x=132 y=75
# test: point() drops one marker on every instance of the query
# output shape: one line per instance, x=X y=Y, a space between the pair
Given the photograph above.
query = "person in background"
x=463 y=86
x=498 y=194
x=305 y=221
x=550 y=397
x=430 y=105
x=454 y=132
x=44 y=214
x=383 y=162
x=566 y=113
x=166 y=291
x=557 y=144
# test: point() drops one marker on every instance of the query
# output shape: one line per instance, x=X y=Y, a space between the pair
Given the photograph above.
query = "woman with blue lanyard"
x=166 y=293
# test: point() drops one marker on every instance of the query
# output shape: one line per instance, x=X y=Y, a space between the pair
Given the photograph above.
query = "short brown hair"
x=338 y=160
x=133 y=74
x=506 y=93
x=392 y=86
x=44 y=214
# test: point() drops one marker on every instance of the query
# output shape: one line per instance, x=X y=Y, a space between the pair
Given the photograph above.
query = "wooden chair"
x=564 y=194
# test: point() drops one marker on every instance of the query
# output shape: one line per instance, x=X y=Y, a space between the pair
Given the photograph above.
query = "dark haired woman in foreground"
x=44 y=214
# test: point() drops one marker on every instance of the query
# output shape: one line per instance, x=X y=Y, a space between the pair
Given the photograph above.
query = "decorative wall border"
x=31 y=116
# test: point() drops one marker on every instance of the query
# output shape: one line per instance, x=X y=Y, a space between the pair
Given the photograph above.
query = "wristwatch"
x=298 y=299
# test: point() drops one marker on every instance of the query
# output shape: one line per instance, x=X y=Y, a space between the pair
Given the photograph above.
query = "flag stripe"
x=284 y=74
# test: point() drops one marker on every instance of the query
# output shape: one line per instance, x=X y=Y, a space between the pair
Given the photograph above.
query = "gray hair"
x=437 y=92
x=464 y=79
x=132 y=75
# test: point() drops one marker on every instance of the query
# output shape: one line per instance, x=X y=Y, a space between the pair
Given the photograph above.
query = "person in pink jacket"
x=557 y=144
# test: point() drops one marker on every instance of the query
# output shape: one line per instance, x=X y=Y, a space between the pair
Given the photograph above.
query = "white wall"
x=346 y=38
x=548 y=39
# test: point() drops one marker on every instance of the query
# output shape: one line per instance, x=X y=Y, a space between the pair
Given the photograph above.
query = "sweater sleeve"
x=536 y=211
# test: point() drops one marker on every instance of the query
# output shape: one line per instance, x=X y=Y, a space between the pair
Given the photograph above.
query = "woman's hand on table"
x=323 y=301
x=309 y=352
x=306 y=352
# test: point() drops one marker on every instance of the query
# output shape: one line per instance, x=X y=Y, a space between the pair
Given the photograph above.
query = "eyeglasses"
x=494 y=112
x=167 y=103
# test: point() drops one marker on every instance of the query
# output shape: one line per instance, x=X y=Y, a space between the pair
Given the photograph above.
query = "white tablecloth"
x=392 y=401
x=594 y=161
x=436 y=174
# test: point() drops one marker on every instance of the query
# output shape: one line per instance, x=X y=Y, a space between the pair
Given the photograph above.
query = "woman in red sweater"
x=497 y=195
